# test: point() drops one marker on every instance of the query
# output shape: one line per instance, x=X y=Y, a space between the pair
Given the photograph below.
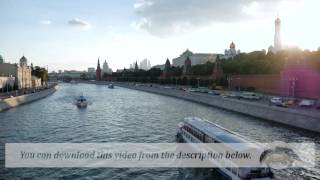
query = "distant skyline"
x=71 y=35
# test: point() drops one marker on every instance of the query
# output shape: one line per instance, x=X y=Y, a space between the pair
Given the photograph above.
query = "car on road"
x=250 y=96
x=276 y=101
x=224 y=95
x=216 y=93
x=282 y=102
x=202 y=90
x=306 y=103
x=192 y=90
x=237 y=95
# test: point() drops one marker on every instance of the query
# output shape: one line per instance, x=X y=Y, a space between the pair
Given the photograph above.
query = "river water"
x=124 y=115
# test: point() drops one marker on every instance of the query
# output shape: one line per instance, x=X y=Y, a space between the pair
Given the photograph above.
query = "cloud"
x=45 y=22
x=165 y=17
x=79 y=23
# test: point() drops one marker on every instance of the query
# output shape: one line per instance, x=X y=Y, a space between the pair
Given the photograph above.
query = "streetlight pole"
x=239 y=85
x=7 y=86
x=198 y=82
x=294 y=79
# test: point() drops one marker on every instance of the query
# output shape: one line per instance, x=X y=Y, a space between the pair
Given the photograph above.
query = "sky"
x=73 y=34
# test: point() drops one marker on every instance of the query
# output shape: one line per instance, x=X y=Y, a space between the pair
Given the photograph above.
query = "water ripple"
x=122 y=115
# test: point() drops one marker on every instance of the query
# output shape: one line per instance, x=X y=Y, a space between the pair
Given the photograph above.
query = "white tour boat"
x=196 y=130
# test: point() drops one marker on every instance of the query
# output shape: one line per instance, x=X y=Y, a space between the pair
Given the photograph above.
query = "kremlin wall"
x=296 y=80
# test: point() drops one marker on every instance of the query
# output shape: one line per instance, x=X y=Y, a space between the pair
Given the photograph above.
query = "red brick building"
x=98 y=72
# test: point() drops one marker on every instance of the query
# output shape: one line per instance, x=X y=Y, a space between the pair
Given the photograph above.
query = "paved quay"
x=12 y=102
x=308 y=120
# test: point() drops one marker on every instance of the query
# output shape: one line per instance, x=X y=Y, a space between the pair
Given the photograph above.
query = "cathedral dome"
x=23 y=61
x=232 y=45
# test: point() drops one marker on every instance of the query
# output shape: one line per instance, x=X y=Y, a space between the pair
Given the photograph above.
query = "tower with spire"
x=277 y=35
x=217 y=73
x=167 y=70
x=98 y=71
x=187 y=71
x=136 y=67
x=105 y=68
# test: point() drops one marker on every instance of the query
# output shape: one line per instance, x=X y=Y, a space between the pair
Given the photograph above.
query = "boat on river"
x=81 y=102
x=196 y=130
x=111 y=86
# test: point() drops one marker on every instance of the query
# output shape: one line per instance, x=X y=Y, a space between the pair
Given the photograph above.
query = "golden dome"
x=232 y=45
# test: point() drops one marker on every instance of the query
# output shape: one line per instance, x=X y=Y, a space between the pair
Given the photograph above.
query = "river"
x=124 y=115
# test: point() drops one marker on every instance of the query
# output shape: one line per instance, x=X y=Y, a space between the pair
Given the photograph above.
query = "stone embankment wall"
x=308 y=120
x=19 y=100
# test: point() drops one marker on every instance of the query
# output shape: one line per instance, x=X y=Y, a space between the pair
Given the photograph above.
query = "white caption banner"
x=121 y=155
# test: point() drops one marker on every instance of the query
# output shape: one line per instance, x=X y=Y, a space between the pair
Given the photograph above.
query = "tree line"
x=257 y=62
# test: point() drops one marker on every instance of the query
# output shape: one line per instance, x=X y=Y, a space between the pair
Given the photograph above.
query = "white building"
x=196 y=58
x=6 y=81
x=231 y=52
x=91 y=70
x=72 y=74
x=21 y=72
x=145 y=64
x=105 y=68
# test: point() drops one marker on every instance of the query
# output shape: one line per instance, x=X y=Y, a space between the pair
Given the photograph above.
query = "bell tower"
x=277 y=35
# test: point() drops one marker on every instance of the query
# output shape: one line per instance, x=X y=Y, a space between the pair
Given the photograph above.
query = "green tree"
x=40 y=73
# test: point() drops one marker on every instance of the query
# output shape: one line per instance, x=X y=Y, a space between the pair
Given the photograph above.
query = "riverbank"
x=12 y=102
x=291 y=117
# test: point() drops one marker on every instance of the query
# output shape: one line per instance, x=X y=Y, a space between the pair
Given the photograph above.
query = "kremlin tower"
x=98 y=72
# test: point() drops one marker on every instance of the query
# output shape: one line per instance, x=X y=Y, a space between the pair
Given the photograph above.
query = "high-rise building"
x=91 y=70
x=277 y=36
x=98 y=71
x=145 y=64
x=106 y=69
